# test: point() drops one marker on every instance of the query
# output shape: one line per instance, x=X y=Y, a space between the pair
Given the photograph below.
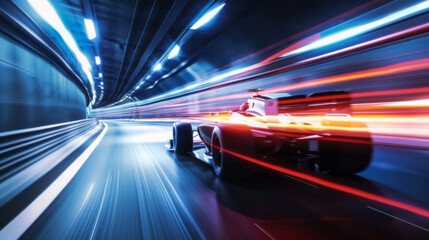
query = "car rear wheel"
x=227 y=143
x=182 y=137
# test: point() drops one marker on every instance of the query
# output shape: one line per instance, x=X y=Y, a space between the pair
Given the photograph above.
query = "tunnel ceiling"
x=133 y=35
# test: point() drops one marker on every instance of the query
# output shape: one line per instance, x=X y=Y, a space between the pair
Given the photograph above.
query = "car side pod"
x=346 y=155
x=182 y=137
x=227 y=139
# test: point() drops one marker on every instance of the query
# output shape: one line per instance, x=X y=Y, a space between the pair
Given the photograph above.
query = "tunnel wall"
x=33 y=92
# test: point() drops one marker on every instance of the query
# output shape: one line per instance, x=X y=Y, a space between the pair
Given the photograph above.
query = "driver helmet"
x=244 y=106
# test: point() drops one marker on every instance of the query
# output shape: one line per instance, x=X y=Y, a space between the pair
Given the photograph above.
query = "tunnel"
x=214 y=119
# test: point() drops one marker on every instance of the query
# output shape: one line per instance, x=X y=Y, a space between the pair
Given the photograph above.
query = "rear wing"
x=332 y=102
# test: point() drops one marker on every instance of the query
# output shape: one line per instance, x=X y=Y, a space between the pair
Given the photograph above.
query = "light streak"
x=241 y=72
x=332 y=185
x=413 y=65
x=174 y=52
x=207 y=17
x=358 y=30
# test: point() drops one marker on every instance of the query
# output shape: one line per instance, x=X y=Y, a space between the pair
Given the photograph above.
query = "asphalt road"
x=131 y=187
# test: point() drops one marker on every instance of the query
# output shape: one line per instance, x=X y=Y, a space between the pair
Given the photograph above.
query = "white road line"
x=29 y=215
x=296 y=179
x=263 y=230
x=89 y=192
x=21 y=180
x=400 y=219
x=86 y=197
x=101 y=207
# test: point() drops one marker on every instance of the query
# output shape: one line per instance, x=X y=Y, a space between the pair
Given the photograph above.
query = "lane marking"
x=21 y=180
x=86 y=197
x=263 y=230
x=89 y=192
x=101 y=206
x=397 y=218
x=296 y=179
x=29 y=215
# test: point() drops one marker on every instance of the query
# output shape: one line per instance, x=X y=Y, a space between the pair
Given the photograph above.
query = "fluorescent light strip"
x=90 y=29
x=157 y=67
x=48 y=13
x=15 y=228
x=207 y=17
x=174 y=52
x=355 y=31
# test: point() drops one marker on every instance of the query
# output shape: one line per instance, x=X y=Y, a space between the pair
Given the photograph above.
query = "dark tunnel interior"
x=214 y=119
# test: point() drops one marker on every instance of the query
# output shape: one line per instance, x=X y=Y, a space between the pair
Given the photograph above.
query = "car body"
x=318 y=127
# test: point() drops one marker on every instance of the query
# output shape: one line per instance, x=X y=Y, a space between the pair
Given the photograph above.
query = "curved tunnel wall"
x=33 y=92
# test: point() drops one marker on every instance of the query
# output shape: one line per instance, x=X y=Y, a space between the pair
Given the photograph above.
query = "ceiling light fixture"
x=90 y=29
x=207 y=17
x=157 y=67
x=174 y=52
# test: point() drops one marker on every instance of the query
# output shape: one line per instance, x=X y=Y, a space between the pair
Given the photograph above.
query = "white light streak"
x=90 y=29
x=157 y=67
x=358 y=30
x=207 y=17
x=174 y=52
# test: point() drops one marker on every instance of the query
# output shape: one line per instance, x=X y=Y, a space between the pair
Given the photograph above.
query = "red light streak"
x=336 y=186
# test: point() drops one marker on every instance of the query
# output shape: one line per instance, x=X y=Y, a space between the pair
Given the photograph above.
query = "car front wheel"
x=182 y=137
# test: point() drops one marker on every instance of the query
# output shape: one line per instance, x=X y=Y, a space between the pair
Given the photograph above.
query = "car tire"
x=182 y=137
x=234 y=139
x=346 y=155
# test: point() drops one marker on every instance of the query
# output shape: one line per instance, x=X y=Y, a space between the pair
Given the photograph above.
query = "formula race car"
x=318 y=127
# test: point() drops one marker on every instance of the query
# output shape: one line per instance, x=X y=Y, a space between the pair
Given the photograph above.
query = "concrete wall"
x=33 y=92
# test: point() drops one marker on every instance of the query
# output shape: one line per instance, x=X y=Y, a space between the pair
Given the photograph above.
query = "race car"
x=318 y=127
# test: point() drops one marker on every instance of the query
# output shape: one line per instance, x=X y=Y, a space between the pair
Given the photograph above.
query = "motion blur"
x=221 y=119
